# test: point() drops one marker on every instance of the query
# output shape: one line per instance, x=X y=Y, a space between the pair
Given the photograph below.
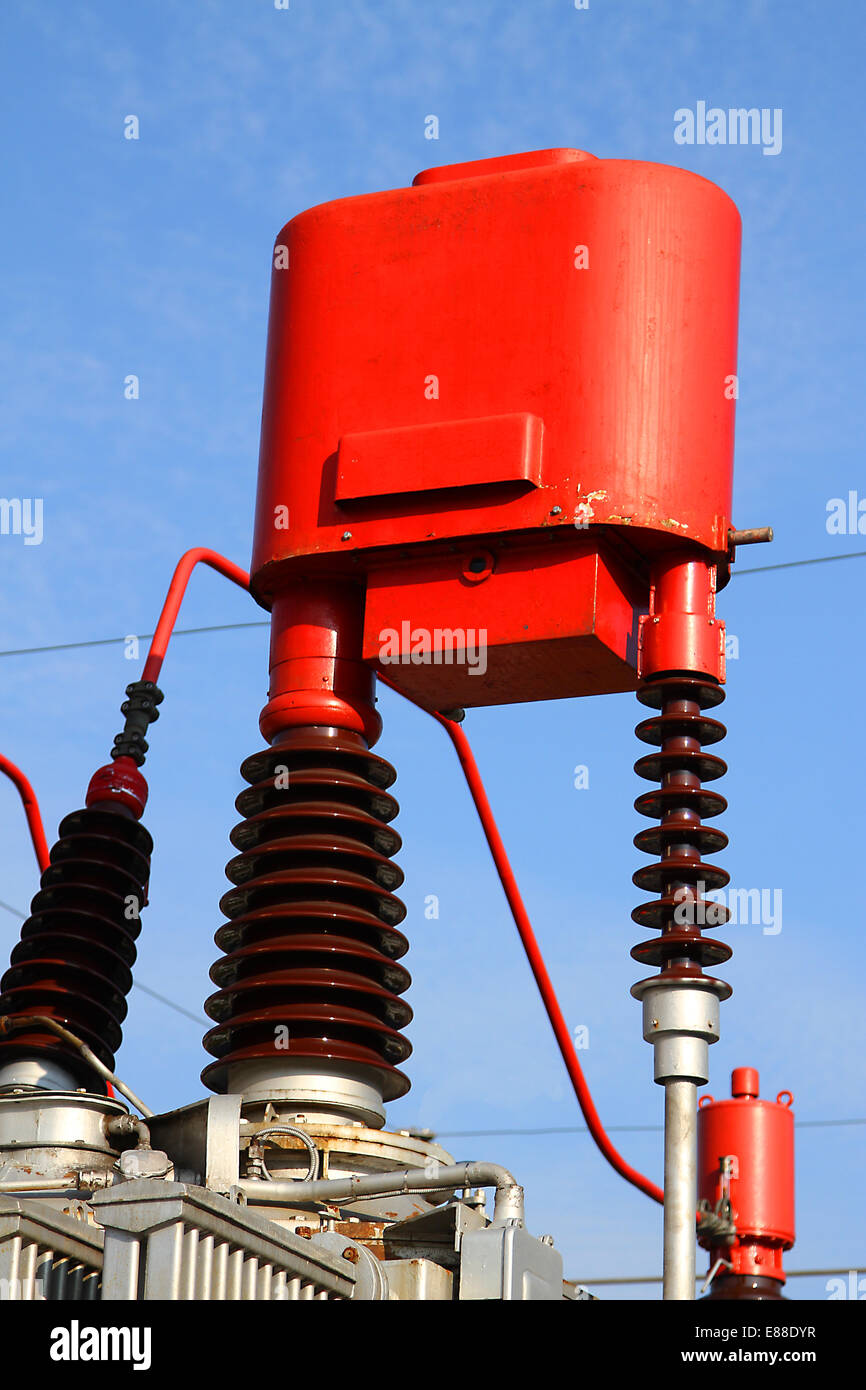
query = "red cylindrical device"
x=746 y=1158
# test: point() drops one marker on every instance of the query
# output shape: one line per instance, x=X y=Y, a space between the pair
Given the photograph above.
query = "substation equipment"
x=499 y=406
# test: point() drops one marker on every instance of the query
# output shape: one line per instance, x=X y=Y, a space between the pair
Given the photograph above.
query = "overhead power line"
x=136 y=984
x=477 y=1133
x=792 y=564
x=118 y=641
x=233 y=627
x=483 y=1133
x=612 y=1129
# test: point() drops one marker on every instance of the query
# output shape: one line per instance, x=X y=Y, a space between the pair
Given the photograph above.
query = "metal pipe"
x=34 y=1186
x=681 y=1189
x=121 y=1126
x=508 y=1202
x=10 y=1022
x=754 y=535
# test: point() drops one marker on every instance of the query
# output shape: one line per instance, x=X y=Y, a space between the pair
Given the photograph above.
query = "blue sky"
x=152 y=257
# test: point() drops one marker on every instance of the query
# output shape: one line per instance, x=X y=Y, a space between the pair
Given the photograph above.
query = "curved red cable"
x=533 y=954
x=173 y=599
x=152 y=668
x=31 y=810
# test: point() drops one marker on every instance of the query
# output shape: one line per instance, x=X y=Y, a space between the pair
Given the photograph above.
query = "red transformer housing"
x=492 y=400
x=496 y=466
x=746 y=1154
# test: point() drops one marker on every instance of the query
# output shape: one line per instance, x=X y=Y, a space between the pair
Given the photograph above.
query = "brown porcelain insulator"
x=73 y=961
x=312 y=942
x=681 y=803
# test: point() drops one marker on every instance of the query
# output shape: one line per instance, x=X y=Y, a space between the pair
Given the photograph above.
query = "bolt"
x=555 y=511
x=346 y=536
x=351 y=1254
x=456 y=716
x=547 y=1240
x=305 y=1231
x=655 y=1023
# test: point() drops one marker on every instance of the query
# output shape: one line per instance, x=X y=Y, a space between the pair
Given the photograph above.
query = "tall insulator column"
x=308 y=1009
x=681 y=665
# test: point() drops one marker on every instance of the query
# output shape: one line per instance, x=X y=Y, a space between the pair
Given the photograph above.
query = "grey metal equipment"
x=174 y=1241
x=287 y=1188
x=506 y=1262
x=48 y=1254
x=680 y=1019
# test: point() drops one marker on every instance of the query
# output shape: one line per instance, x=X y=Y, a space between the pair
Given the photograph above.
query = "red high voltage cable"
x=173 y=599
x=533 y=954
x=152 y=668
x=31 y=810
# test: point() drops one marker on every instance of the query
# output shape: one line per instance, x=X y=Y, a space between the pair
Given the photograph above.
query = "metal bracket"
x=222 y=1163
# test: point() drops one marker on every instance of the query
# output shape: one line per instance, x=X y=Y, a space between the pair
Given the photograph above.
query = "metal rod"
x=754 y=535
x=681 y=1189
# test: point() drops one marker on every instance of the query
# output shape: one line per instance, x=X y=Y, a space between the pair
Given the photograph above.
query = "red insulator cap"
x=119 y=784
x=745 y=1082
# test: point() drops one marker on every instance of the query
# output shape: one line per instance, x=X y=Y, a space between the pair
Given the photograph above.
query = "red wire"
x=533 y=954
x=31 y=810
x=152 y=668
x=173 y=599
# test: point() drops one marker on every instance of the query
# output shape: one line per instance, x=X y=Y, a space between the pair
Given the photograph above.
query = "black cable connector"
x=140 y=709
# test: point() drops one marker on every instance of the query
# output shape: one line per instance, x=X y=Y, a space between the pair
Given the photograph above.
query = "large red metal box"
x=540 y=622
x=506 y=346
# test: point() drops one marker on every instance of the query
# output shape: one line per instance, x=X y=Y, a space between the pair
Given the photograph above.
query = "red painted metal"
x=681 y=631
x=758 y=1136
x=31 y=809
x=318 y=676
x=118 y=784
x=450 y=447
x=543 y=621
x=502 y=349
